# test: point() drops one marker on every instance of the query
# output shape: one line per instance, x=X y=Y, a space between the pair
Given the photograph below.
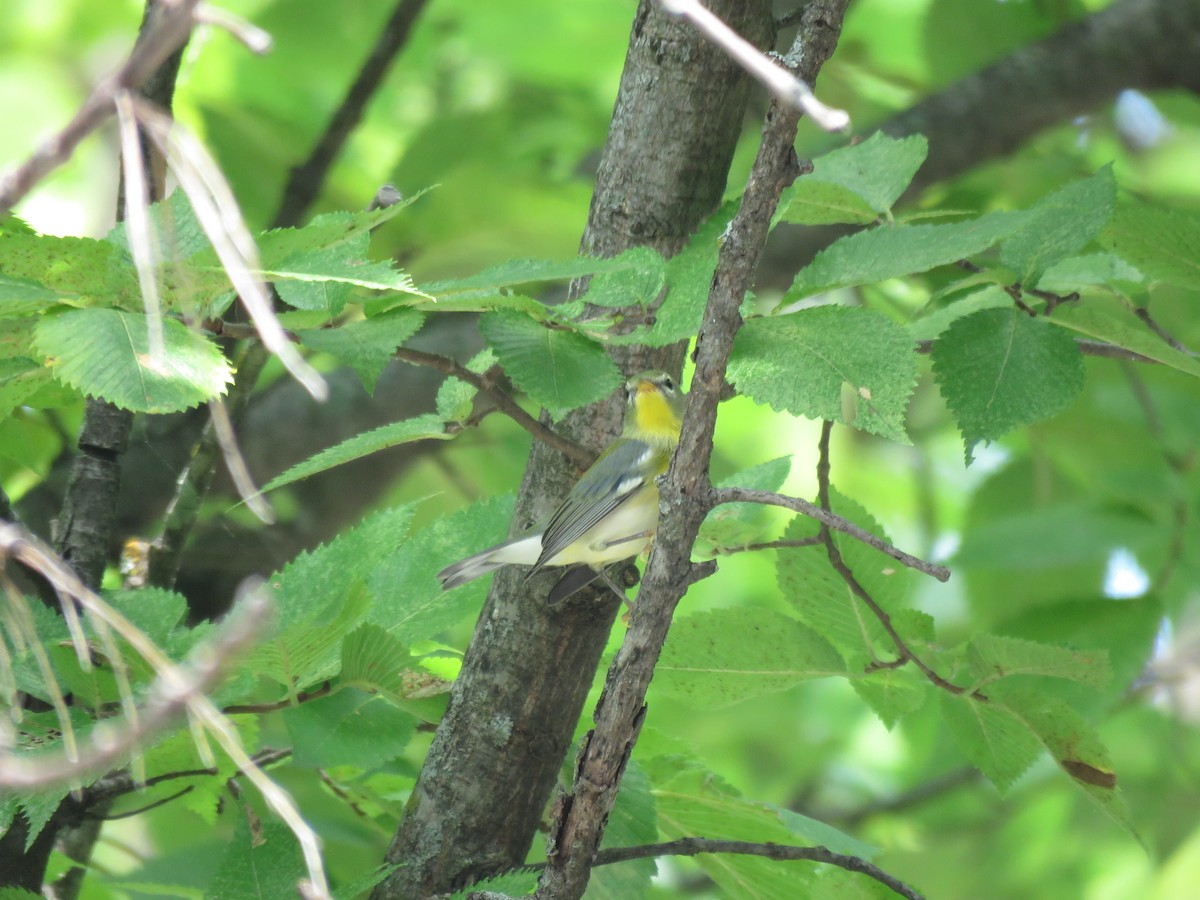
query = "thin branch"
x=173 y=691
x=778 y=80
x=167 y=33
x=694 y=846
x=236 y=464
x=832 y=520
x=120 y=783
x=258 y=708
x=1144 y=314
x=935 y=787
x=1086 y=347
x=839 y=564
x=781 y=544
x=306 y=179
x=568 y=448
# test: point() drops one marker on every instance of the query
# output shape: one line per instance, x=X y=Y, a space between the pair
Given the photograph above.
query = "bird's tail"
x=524 y=549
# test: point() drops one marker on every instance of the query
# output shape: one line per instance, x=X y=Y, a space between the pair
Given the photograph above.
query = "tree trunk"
x=489 y=773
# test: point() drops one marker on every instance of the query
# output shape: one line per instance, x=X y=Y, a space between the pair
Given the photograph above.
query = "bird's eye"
x=668 y=383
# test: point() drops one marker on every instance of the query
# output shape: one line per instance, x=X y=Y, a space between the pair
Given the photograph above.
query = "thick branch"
x=685 y=491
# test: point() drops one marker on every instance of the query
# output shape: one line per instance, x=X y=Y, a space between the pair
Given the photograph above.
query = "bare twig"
x=306 y=179
x=577 y=454
x=839 y=564
x=250 y=35
x=142 y=245
x=695 y=846
x=782 y=83
x=1144 y=314
x=167 y=32
x=782 y=544
x=236 y=464
x=831 y=520
x=259 y=708
x=1086 y=347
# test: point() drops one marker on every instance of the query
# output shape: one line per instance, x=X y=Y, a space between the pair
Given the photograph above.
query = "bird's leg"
x=625 y=540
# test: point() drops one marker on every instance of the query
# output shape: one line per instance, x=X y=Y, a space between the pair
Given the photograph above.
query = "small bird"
x=612 y=511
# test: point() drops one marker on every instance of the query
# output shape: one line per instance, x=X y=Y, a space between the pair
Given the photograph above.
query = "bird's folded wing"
x=615 y=477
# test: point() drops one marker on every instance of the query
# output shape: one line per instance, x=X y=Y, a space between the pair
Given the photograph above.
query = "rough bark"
x=685 y=498
x=501 y=744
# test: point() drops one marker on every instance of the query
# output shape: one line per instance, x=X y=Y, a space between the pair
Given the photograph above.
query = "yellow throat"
x=655 y=409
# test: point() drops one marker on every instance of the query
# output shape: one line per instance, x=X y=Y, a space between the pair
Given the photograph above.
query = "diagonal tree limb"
x=685 y=490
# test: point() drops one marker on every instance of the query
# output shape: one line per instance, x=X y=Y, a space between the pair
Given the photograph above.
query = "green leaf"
x=1075 y=746
x=996 y=741
x=374 y=660
x=348 y=728
x=20 y=379
x=319 y=598
x=366 y=346
x=893 y=251
x=689 y=277
x=328 y=298
x=800 y=362
x=811 y=201
x=265 y=866
x=1162 y=243
x=821 y=597
x=893 y=693
x=640 y=284
x=305 y=652
x=106 y=353
x=932 y=324
x=23 y=296
x=410 y=603
x=1104 y=320
x=68 y=266
x=531 y=271
x=1091 y=269
x=871 y=176
x=333 y=264
x=993 y=657
x=1060 y=225
x=724 y=656
x=998 y=369
x=1055 y=535
x=697 y=802
x=420 y=428
x=173 y=222
x=455 y=398
x=561 y=370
